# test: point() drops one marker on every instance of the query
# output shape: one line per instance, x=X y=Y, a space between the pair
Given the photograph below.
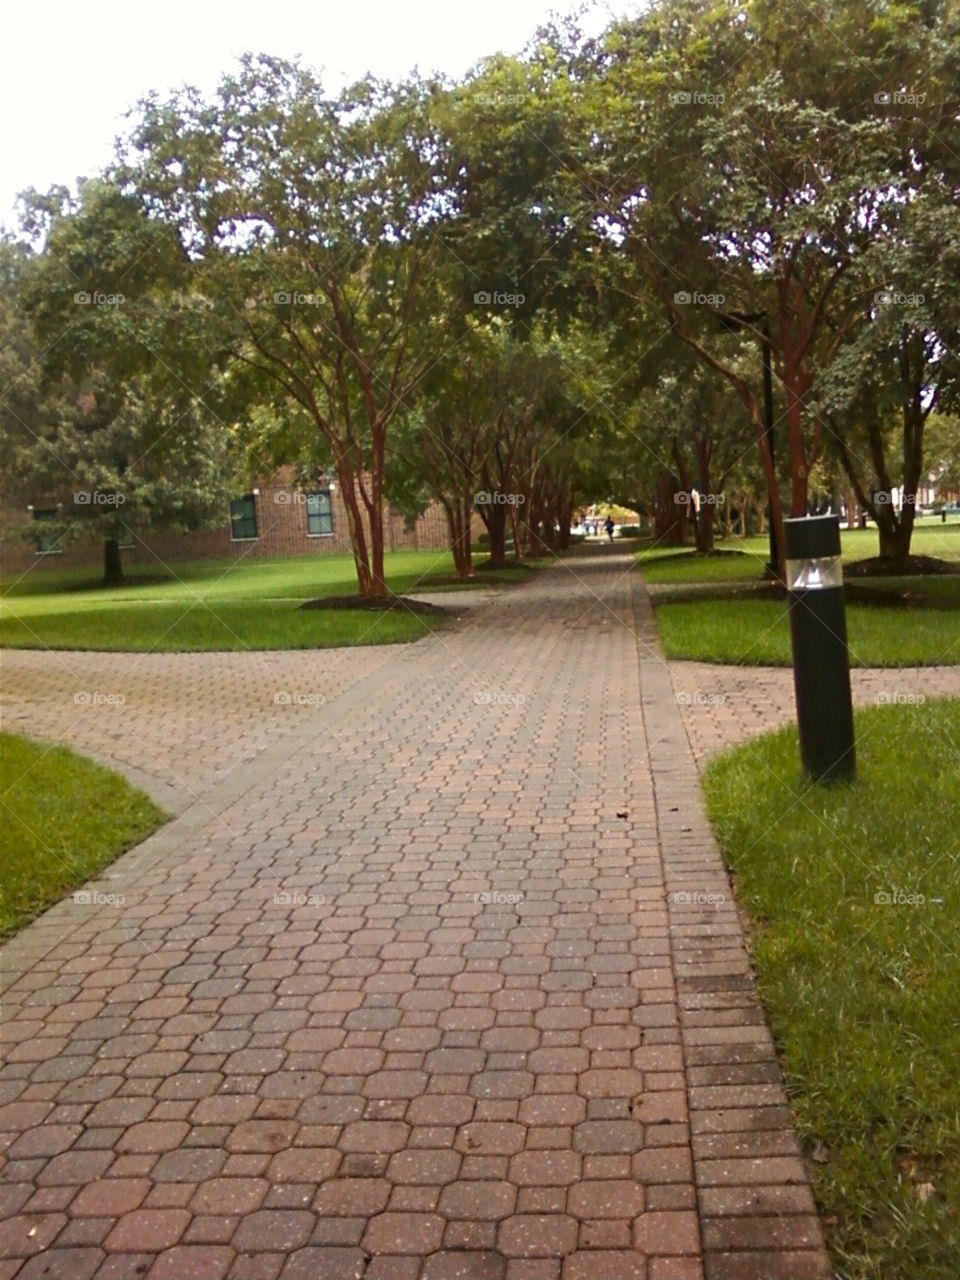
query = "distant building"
x=271 y=520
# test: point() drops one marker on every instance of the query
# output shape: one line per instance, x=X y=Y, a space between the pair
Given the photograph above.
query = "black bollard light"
x=818 y=634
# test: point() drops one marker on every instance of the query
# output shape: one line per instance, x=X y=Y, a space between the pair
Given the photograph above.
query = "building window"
x=46 y=542
x=243 y=518
x=319 y=515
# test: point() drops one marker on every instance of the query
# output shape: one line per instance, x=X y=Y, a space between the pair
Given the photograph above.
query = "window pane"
x=46 y=541
x=243 y=517
x=319 y=514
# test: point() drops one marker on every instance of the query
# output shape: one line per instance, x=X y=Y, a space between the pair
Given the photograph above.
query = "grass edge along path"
x=230 y=606
x=749 y=631
x=64 y=818
x=852 y=894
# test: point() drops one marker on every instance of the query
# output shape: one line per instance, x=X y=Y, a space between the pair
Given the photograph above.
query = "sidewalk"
x=444 y=983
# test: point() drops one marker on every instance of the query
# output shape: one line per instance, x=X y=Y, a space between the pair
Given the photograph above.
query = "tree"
x=729 y=176
x=310 y=228
x=444 y=440
x=897 y=370
x=108 y=454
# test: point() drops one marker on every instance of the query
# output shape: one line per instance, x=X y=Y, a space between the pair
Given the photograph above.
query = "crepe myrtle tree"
x=470 y=440
x=311 y=227
x=897 y=370
x=442 y=443
x=943 y=453
x=539 y=395
x=739 y=169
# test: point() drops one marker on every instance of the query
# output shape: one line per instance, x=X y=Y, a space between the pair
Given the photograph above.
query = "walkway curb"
x=758 y=1220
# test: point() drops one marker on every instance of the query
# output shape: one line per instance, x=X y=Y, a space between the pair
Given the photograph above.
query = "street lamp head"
x=811 y=547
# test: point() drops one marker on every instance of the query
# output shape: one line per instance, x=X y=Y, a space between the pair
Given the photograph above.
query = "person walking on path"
x=608 y=525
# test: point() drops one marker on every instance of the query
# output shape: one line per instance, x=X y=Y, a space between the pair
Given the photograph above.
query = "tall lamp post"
x=733 y=322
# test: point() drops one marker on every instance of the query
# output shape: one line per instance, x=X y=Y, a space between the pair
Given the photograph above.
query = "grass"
x=756 y=632
x=180 y=628
x=226 y=605
x=64 y=819
x=862 y=995
x=679 y=565
x=906 y=621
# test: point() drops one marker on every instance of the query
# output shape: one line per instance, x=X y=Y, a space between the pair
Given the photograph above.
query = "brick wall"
x=281 y=532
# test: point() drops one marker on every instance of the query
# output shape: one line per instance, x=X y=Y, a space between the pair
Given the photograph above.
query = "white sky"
x=73 y=69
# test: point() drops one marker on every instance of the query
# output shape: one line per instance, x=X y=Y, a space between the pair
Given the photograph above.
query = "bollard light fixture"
x=818 y=635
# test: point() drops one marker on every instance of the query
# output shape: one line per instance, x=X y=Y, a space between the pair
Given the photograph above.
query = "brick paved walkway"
x=723 y=705
x=441 y=980
x=186 y=720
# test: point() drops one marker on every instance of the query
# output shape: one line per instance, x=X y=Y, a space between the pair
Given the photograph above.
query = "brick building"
x=270 y=521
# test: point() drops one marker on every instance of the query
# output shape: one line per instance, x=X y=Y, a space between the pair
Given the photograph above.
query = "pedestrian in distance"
x=608 y=525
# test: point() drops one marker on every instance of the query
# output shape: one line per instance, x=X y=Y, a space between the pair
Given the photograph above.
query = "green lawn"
x=755 y=632
x=681 y=565
x=907 y=621
x=64 y=818
x=863 y=994
x=250 y=604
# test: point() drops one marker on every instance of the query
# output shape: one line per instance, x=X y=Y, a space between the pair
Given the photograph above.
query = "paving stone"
x=610 y=1198
x=61 y=1263
x=667 y=1232
x=604 y=1264
x=325 y=1264
x=547 y=1235
x=419 y=1234
x=147 y=1230
x=484 y=1201
x=192 y=1262
x=347 y=1197
x=605 y=1137
x=266 y=1230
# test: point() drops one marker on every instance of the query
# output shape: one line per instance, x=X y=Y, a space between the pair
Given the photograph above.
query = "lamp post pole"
x=818 y=636
x=772 y=567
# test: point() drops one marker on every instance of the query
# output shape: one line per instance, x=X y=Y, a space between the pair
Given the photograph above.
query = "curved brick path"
x=438 y=980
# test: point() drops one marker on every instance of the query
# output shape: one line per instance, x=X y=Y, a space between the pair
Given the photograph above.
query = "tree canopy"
x=557 y=279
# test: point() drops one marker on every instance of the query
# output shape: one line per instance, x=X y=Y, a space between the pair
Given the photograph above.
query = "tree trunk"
x=358 y=537
x=375 y=514
x=705 y=527
x=914 y=421
x=686 y=488
x=112 y=564
x=378 y=581
x=466 y=528
x=896 y=534
x=458 y=524
x=515 y=522
x=494 y=518
x=566 y=520
x=794 y=388
x=705 y=540
x=888 y=526
x=669 y=516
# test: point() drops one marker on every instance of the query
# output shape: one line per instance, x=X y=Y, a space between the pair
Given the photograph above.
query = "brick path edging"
x=758 y=1220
